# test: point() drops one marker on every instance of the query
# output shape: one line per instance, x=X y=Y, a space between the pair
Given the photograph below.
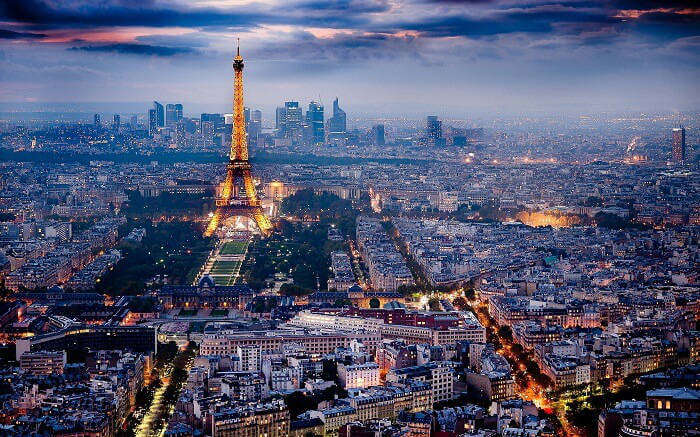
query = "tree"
x=593 y=201
x=460 y=303
x=434 y=304
x=505 y=332
x=469 y=291
x=374 y=303
x=407 y=290
x=340 y=303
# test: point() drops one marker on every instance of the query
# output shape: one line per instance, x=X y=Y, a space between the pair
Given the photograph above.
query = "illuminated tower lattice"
x=231 y=201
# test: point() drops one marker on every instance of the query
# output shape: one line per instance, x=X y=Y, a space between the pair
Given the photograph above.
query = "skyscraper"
x=96 y=120
x=254 y=126
x=280 y=115
x=152 y=121
x=378 y=135
x=292 y=121
x=678 y=144
x=337 y=123
x=433 y=131
x=116 y=122
x=178 y=112
x=314 y=118
x=160 y=114
x=170 y=114
x=134 y=121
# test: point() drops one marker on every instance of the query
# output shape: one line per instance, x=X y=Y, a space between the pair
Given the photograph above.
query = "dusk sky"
x=376 y=55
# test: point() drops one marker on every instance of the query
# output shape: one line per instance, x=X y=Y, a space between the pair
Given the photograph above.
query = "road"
x=527 y=387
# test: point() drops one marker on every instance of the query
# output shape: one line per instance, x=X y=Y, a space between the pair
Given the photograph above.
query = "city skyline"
x=378 y=56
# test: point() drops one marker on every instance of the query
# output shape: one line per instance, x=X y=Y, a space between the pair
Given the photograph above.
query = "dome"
x=55 y=289
x=206 y=281
x=355 y=289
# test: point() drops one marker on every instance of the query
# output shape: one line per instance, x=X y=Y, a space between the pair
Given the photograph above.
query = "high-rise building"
x=253 y=126
x=280 y=115
x=257 y=116
x=180 y=134
x=178 y=112
x=217 y=120
x=378 y=135
x=134 y=121
x=160 y=114
x=292 y=128
x=314 y=118
x=152 y=121
x=116 y=122
x=170 y=114
x=207 y=132
x=678 y=144
x=96 y=119
x=337 y=123
x=433 y=131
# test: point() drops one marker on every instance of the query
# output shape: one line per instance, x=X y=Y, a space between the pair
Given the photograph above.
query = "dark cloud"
x=341 y=48
x=10 y=34
x=41 y=14
x=136 y=49
x=469 y=27
x=349 y=6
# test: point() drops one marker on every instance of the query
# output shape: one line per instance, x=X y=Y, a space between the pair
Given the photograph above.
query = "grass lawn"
x=187 y=312
x=219 y=312
x=233 y=248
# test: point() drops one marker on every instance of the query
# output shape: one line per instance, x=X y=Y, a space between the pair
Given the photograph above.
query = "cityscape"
x=191 y=246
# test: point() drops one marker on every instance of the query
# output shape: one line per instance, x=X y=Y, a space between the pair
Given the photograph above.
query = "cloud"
x=43 y=14
x=341 y=48
x=137 y=49
x=11 y=34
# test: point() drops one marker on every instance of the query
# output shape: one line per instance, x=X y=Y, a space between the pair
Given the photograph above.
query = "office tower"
x=116 y=121
x=134 y=121
x=678 y=144
x=96 y=120
x=152 y=121
x=280 y=115
x=170 y=114
x=337 y=123
x=246 y=114
x=207 y=132
x=217 y=120
x=254 y=126
x=180 y=136
x=178 y=112
x=434 y=131
x=378 y=135
x=314 y=118
x=292 y=121
x=160 y=114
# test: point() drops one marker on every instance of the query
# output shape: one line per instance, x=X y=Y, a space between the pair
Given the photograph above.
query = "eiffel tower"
x=230 y=203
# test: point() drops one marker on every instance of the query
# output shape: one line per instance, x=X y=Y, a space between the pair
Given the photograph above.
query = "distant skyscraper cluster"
x=295 y=127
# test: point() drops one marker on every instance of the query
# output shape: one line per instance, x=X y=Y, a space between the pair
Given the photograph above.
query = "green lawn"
x=219 y=312
x=225 y=267
x=233 y=248
x=187 y=312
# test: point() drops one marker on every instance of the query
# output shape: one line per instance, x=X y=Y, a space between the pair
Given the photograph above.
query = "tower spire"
x=238 y=47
